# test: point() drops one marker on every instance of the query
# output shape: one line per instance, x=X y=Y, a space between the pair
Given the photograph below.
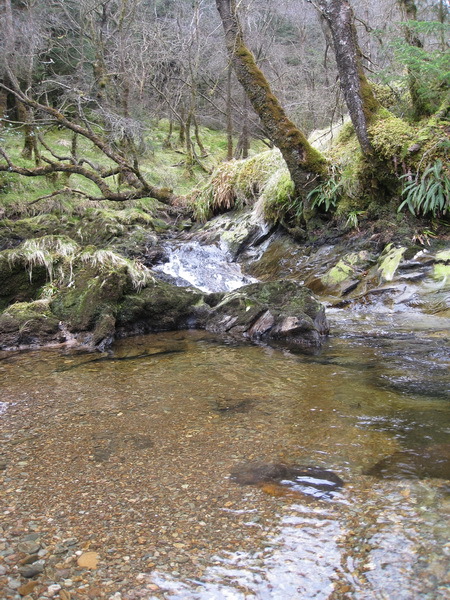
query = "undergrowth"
x=427 y=193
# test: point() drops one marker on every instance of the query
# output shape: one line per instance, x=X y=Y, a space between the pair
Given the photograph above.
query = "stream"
x=128 y=455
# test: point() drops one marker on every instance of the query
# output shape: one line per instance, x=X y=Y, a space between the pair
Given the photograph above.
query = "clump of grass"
x=277 y=201
x=139 y=274
x=49 y=251
x=235 y=184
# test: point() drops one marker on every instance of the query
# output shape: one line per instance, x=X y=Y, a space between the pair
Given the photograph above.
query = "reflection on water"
x=299 y=562
x=140 y=445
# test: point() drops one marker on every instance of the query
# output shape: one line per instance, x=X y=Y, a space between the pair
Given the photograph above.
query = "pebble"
x=53 y=589
x=32 y=570
x=27 y=588
x=29 y=547
x=13 y=583
x=28 y=560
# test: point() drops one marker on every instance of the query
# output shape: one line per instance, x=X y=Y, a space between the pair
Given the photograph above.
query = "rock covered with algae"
x=277 y=312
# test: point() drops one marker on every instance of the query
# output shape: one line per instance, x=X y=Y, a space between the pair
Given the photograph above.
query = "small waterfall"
x=206 y=267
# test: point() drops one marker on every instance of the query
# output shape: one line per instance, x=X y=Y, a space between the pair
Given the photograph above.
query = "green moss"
x=339 y=272
x=389 y=261
x=27 y=323
x=371 y=106
x=391 y=137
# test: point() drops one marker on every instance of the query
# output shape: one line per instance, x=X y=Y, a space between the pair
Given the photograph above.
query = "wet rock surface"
x=303 y=479
x=283 y=312
x=420 y=463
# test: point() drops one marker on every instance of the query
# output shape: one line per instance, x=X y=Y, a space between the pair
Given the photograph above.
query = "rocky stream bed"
x=129 y=472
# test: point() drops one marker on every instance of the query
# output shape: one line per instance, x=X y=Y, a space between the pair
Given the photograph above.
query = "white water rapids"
x=207 y=267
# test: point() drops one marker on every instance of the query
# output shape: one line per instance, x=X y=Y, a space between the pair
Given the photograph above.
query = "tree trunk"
x=30 y=146
x=7 y=43
x=305 y=164
x=198 y=139
x=189 y=163
x=229 y=115
x=409 y=9
x=359 y=97
x=243 y=145
x=3 y=107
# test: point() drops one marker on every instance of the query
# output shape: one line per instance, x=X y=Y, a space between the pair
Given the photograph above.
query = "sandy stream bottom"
x=116 y=480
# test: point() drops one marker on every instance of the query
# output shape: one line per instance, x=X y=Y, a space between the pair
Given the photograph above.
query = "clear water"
x=134 y=457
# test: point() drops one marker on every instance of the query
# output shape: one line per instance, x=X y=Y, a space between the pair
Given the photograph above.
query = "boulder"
x=25 y=324
x=161 y=307
x=420 y=463
x=276 y=312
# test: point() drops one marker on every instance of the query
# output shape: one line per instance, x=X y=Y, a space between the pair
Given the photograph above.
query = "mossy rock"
x=276 y=312
x=27 y=324
x=344 y=276
x=161 y=307
x=18 y=284
x=389 y=262
x=93 y=294
x=441 y=272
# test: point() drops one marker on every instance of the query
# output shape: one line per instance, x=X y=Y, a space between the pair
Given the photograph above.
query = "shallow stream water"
x=130 y=455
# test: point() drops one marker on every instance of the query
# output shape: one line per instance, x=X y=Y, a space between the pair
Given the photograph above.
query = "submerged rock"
x=420 y=463
x=276 y=312
x=313 y=481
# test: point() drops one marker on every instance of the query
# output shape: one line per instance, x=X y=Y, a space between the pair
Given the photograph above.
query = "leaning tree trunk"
x=359 y=97
x=305 y=164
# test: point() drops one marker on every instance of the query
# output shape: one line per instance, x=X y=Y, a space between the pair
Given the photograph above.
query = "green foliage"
x=429 y=193
x=328 y=193
x=235 y=184
x=353 y=218
x=429 y=68
x=278 y=199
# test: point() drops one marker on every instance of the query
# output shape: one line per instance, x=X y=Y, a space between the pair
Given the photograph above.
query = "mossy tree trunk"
x=30 y=145
x=305 y=164
x=409 y=8
x=359 y=97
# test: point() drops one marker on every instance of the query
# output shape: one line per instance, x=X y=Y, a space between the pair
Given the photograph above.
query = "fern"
x=428 y=194
x=328 y=193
